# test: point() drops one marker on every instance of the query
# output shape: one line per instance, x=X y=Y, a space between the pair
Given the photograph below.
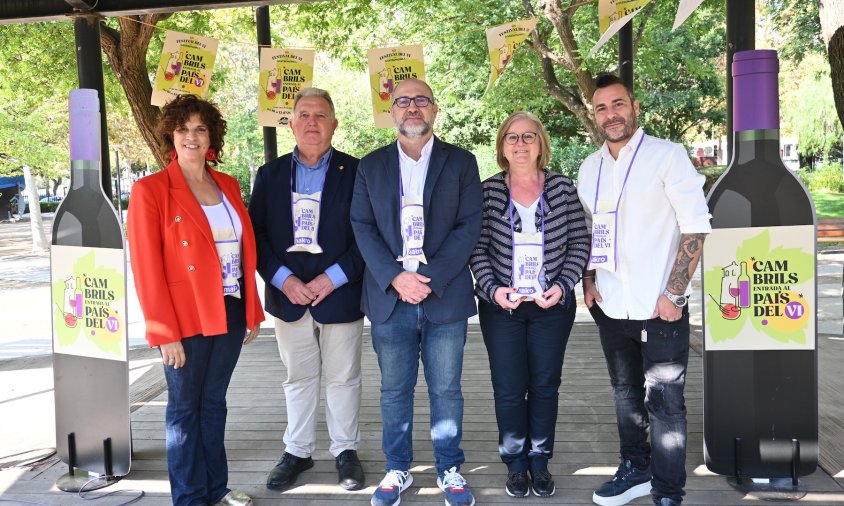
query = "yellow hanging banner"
x=185 y=67
x=502 y=41
x=614 y=14
x=284 y=72
x=388 y=67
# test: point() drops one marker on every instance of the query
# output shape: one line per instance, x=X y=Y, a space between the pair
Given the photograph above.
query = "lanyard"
x=623 y=185
x=293 y=171
x=510 y=215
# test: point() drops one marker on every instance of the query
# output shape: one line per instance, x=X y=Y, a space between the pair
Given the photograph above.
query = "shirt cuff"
x=337 y=276
x=281 y=276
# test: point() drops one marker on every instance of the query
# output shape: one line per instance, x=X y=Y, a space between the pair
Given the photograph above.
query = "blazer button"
x=178 y=219
x=191 y=268
x=184 y=243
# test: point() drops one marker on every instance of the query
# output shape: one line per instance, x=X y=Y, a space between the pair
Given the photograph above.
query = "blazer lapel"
x=392 y=193
x=333 y=175
x=439 y=154
x=184 y=198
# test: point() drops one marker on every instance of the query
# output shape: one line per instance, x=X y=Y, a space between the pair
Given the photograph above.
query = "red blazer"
x=174 y=260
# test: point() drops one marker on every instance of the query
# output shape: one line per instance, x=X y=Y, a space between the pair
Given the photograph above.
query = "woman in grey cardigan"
x=533 y=247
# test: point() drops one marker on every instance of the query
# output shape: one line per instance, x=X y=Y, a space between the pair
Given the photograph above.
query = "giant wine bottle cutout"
x=88 y=306
x=760 y=361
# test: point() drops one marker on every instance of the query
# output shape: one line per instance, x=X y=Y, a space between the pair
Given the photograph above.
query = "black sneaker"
x=285 y=472
x=542 y=483
x=517 y=484
x=627 y=484
x=349 y=470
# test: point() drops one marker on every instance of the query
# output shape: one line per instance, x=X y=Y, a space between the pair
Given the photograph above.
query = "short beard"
x=630 y=127
x=415 y=131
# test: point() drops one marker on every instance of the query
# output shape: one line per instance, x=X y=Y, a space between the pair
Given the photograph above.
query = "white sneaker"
x=389 y=490
x=457 y=492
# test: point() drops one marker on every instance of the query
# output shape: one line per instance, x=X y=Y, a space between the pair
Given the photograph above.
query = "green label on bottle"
x=89 y=302
x=759 y=289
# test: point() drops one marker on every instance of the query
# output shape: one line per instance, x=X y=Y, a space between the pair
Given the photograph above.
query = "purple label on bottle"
x=756 y=90
x=744 y=294
x=84 y=125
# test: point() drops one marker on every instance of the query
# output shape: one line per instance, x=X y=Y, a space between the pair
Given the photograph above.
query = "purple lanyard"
x=623 y=185
x=510 y=215
x=293 y=170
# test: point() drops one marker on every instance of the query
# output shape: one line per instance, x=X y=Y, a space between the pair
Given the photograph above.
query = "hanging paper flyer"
x=283 y=73
x=388 y=67
x=185 y=67
x=502 y=41
x=612 y=16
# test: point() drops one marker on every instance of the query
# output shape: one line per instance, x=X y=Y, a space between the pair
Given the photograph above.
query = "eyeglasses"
x=420 y=101
x=527 y=138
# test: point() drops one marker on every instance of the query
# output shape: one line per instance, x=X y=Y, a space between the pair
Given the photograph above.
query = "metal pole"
x=625 y=53
x=262 y=18
x=741 y=36
x=117 y=185
x=89 y=68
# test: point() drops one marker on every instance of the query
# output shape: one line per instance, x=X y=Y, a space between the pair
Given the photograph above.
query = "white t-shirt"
x=228 y=238
x=663 y=198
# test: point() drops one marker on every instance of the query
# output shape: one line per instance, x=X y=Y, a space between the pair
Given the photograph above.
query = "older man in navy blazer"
x=416 y=214
x=313 y=269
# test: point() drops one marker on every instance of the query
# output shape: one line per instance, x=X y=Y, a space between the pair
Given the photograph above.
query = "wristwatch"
x=677 y=300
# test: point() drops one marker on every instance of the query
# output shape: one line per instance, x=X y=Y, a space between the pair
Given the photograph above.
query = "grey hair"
x=314 y=92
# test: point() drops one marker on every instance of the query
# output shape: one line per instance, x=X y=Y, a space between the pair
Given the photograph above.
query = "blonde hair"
x=542 y=137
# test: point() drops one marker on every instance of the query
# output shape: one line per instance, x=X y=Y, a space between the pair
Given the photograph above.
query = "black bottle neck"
x=85 y=174
x=761 y=145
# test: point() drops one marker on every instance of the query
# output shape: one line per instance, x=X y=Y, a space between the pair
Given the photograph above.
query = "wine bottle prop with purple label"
x=760 y=354
x=88 y=309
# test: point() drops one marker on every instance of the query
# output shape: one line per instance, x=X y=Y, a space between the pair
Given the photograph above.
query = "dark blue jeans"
x=648 y=379
x=526 y=350
x=196 y=412
x=398 y=342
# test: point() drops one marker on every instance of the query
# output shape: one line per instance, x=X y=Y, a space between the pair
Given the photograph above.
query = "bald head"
x=407 y=82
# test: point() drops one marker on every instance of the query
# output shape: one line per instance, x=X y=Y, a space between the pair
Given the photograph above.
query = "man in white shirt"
x=648 y=216
x=416 y=213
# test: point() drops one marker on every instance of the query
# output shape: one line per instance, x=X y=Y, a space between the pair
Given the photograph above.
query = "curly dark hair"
x=179 y=110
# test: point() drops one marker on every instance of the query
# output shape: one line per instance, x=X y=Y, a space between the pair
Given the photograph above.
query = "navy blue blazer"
x=452 y=207
x=272 y=219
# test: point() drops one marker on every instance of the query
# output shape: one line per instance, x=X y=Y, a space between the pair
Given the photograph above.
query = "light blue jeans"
x=398 y=342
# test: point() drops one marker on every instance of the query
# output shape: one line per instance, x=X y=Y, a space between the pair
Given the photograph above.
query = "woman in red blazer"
x=193 y=257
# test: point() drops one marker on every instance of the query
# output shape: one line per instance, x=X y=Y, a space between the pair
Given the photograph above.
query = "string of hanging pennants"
x=187 y=62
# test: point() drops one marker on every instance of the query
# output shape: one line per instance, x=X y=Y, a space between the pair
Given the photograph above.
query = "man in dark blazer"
x=313 y=269
x=416 y=214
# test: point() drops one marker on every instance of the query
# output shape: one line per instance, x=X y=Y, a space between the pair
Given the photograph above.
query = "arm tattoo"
x=688 y=256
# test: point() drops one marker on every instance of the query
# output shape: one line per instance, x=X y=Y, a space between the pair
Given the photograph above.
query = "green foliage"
x=569 y=153
x=828 y=178
x=796 y=27
x=711 y=174
x=809 y=110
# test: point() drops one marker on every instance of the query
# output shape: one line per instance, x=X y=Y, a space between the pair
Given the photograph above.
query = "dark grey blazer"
x=452 y=207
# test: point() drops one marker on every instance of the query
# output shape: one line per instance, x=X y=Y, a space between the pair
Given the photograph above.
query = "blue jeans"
x=398 y=343
x=196 y=412
x=526 y=350
x=648 y=381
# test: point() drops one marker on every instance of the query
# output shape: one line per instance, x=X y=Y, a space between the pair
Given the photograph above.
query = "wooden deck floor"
x=585 y=455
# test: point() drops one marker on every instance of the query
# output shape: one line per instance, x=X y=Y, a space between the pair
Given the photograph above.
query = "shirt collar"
x=321 y=163
x=426 y=152
x=631 y=144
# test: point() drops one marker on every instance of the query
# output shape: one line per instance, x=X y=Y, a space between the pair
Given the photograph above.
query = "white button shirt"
x=663 y=198
x=413 y=174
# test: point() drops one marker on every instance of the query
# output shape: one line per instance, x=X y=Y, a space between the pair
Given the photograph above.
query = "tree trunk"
x=126 y=51
x=36 y=224
x=832 y=25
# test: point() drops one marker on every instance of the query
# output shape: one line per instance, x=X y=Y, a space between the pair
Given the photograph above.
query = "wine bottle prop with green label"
x=88 y=306
x=759 y=297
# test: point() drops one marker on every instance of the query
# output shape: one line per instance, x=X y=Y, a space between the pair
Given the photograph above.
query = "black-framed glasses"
x=527 y=138
x=419 y=100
